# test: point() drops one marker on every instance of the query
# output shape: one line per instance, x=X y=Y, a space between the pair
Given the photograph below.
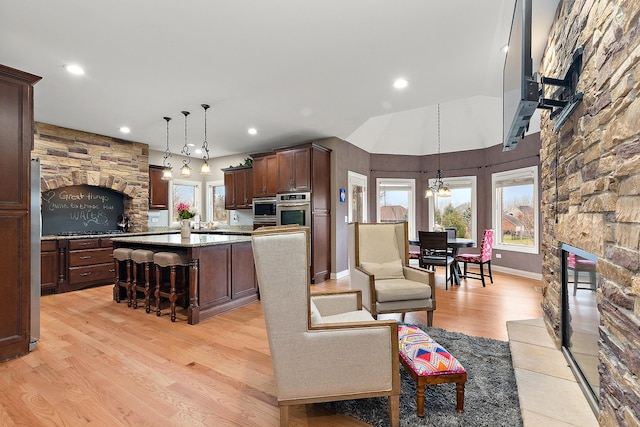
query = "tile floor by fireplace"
x=549 y=393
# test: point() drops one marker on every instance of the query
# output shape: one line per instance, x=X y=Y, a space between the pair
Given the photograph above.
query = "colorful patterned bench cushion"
x=425 y=356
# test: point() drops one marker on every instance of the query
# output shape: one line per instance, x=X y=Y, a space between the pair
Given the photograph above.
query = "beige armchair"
x=323 y=347
x=379 y=267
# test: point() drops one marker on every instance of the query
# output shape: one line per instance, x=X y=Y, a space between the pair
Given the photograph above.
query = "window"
x=216 y=213
x=515 y=208
x=457 y=211
x=357 y=197
x=396 y=202
x=184 y=192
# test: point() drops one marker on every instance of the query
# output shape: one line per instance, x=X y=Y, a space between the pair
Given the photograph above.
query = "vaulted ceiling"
x=293 y=69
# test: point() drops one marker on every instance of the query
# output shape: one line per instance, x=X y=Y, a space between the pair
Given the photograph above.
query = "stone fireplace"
x=591 y=188
x=71 y=157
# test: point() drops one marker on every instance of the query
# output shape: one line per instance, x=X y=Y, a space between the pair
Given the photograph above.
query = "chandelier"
x=185 y=170
x=439 y=188
x=167 y=171
x=205 y=169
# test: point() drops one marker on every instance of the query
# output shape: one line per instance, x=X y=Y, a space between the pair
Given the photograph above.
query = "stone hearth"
x=72 y=157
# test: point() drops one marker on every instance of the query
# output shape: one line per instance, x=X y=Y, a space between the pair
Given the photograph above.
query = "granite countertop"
x=243 y=230
x=174 y=239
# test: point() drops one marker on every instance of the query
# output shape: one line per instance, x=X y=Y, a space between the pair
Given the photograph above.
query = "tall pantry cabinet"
x=16 y=142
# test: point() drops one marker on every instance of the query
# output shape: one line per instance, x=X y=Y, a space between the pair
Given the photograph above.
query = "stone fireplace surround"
x=591 y=187
x=72 y=157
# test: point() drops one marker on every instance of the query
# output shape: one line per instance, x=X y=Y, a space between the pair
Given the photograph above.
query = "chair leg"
x=129 y=278
x=482 y=274
x=489 y=267
x=173 y=297
x=147 y=288
x=465 y=270
x=157 y=293
x=394 y=410
x=430 y=318
x=116 y=286
x=134 y=285
x=284 y=415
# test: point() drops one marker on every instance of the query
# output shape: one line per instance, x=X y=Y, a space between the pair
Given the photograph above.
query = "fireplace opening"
x=581 y=319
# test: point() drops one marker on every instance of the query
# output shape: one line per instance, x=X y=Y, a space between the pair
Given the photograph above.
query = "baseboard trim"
x=521 y=273
x=340 y=274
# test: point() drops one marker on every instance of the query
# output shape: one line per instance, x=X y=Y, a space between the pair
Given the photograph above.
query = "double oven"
x=284 y=209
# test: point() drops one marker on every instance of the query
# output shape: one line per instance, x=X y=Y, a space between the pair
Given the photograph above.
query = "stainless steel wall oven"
x=293 y=208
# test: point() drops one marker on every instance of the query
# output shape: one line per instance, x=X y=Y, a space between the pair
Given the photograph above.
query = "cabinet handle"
x=86 y=257
x=112 y=270
x=85 y=274
x=84 y=243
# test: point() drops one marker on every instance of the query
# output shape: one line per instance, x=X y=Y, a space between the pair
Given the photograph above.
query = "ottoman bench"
x=429 y=363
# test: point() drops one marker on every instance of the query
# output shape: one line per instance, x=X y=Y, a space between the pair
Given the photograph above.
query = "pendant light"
x=185 y=171
x=439 y=188
x=167 y=171
x=205 y=169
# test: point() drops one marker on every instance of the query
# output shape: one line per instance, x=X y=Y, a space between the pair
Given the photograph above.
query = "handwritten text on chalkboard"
x=79 y=208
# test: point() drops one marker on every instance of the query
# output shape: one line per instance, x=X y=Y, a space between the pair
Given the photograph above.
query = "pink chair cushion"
x=486 y=249
x=425 y=356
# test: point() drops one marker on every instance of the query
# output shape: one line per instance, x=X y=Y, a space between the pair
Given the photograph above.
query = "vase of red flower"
x=185 y=215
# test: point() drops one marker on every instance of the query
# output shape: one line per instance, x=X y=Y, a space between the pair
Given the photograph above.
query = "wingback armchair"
x=323 y=347
x=379 y=268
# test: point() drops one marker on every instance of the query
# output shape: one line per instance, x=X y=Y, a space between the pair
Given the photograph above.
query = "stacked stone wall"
x=72 y=157
x=591 y=186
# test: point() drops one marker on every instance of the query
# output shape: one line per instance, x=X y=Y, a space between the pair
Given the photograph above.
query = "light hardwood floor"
x=99 y=363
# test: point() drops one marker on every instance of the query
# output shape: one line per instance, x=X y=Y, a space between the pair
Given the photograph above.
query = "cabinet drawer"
x=90 y=256
x=84 y=244
x=106 y=242
x=92 y=273
x=48 y=246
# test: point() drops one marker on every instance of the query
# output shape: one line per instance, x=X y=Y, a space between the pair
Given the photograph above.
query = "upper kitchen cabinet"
x=238 y=188
x=294 y=169
x=265 y=175
x=16 y=143
x=158 y=189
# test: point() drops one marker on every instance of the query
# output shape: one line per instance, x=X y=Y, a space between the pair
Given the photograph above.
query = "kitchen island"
x=221 y=270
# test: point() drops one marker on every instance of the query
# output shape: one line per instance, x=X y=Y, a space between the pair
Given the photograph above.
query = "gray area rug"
x=490 y=397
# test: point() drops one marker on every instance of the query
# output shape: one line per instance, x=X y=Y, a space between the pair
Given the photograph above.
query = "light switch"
x=346 y=218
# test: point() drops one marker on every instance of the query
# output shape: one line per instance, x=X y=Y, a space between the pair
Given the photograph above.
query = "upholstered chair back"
x=486 y=246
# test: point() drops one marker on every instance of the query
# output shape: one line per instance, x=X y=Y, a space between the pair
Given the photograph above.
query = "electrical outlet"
x=154 y=219
x=498 y=255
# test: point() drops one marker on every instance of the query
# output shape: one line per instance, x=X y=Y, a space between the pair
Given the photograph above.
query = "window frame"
x=470 y=181
x=209 y=201
x=526 y=173
x=197 y=205
x=411 y=215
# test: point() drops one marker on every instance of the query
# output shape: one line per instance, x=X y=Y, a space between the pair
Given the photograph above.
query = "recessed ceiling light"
x=74 y=69
x=125 y=129
x=198 y=151
x=400 y=83
x=191 y=144
x=252 y=131
x=505 y=48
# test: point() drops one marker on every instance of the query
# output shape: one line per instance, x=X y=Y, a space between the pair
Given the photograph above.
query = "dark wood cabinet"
x=49 y=265
x=86 y=262
x=238 y=188
x=265 y=175
x=158 y=189
x=294 y=169
x=16 y=143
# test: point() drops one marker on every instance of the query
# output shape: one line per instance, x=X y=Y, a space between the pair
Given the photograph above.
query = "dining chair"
x=578 y=264
x=433 y=253
x=484 y=257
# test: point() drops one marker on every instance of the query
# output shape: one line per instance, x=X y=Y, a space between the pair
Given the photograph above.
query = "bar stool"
x=177 y=287
x=141 y=260
x=122 y=258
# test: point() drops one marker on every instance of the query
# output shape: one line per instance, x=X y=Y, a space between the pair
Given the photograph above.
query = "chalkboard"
x=80 y=208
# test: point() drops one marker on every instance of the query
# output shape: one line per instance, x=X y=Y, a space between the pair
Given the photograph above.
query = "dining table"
x=454 y=244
